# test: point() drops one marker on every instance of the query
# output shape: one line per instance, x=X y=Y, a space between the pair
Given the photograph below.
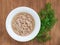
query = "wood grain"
x=7 y=5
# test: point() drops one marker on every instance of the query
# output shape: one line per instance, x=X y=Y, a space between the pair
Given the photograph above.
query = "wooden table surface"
x=7 y=5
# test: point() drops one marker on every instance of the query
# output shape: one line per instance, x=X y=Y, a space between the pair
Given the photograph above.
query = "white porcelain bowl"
x=9 y=27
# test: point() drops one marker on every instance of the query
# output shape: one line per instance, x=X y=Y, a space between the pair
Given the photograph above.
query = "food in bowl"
x=36 y=24
x=23 y=24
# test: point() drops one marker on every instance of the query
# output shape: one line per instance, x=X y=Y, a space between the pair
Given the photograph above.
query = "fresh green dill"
x=47 y=22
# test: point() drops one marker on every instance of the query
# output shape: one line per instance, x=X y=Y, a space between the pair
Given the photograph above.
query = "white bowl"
x=36 y=28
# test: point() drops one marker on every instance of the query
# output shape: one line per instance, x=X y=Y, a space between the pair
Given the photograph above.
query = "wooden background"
x=7 y=5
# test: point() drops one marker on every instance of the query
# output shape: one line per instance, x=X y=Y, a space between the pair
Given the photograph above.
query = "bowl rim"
x=10 y=30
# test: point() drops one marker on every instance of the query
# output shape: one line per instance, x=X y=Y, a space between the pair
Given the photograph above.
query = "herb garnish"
x=47 y=22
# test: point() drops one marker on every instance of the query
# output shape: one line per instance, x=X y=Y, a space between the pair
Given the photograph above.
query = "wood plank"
x=7 y=5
